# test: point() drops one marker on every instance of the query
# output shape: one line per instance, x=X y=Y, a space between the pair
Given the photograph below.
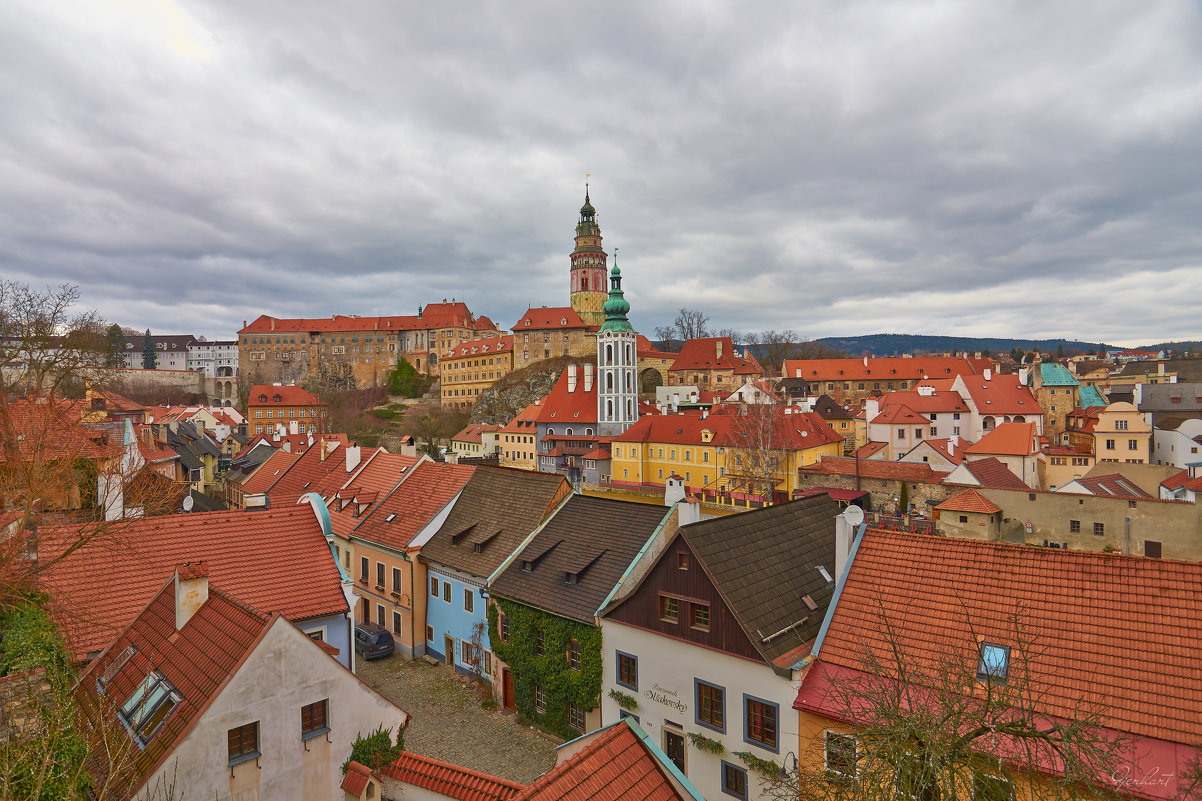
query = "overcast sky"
x=991 y=169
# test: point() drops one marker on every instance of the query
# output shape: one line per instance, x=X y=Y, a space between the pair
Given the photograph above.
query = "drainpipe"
x=1127 y=535
x=412 y=605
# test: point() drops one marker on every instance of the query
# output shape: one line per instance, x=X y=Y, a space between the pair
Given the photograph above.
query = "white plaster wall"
x=672 y=665
x=1174 y=447
x=286 y=671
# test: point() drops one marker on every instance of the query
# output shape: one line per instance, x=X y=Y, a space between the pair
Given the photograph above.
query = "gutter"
x=830 y=609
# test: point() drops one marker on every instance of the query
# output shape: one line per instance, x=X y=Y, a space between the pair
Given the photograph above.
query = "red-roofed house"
x=993 y=399
x=1184 y=486
x=277 y=560
x=297 y=408
x=974 y=611
x=1015 y=445
x=984 y=472
x=713 y=364
x=517 y=440
x=476 y=440
x=940 y=454
x=473 y=367
x=1112 y=486
x=969 y=514
x=853 y=380
x=544 y=332
x=208 y=693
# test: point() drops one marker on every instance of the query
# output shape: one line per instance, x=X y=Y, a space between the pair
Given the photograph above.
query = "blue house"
x=496 y=514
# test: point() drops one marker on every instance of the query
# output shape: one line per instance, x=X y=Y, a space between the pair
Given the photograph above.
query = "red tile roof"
x=326 y=456
x=1001 y=395
x=473 y=431
x=434 y=315
x=198 y=660
x=451 y=781
x=414 y=502
x=266 y=394
x=969 y=501
x=489 y=346
x=868 y=449
x=1113 y=485
x=1008 y=439
x=647 y=349
x=276 y=465
x=523 y=422
x=789 y=429
x=1182 y=479
x=54 y=430
x=938 y=402
x=992 y=472
x=275 y=560
x=714 y=353
x=380 y=471
x=616 y=766
x=899 y=414
x=675 y=429
x=881 y=369
x=1122 y=628
x=876 y=468
x=561 y=317
x=356 y=779
x=941 y=447
x=569 y=408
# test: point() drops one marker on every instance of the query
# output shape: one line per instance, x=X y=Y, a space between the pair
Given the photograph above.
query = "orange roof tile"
x=434 y=315
x=991 y=472
x=560 y=317
x=876 y=468
x=356 y=779
x=1090 y=612
x=489 y=346
x=473 y=431
x=267 y=395
x=569 y=408
x=269 y=472
x=1008 y=439
x=880 y=369
x=523 y=422
x=938 y=402
x=412 y=504
x=327 y=456
x=99 y=588
x=714 y=353
x=899 y=414
x=451 y=781
x=616 y=766
x=1002 y=394
x=1182 y=479
x=969 y=501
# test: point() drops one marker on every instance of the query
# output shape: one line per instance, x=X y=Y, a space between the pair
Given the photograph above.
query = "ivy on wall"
x=551 y=671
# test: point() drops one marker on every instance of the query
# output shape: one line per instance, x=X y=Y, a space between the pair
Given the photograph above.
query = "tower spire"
x=617 y=307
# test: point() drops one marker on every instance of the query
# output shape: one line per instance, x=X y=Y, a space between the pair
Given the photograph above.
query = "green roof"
x=1056 y=375
x=1089 y=396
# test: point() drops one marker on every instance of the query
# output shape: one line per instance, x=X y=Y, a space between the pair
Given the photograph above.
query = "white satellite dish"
x=853 y=515
x=189 y=503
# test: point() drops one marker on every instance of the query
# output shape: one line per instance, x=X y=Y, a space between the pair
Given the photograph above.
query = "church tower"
x=617 y=354
x=588 y=267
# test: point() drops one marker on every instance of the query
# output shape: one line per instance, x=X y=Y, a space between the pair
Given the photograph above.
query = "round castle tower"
x=588 y=267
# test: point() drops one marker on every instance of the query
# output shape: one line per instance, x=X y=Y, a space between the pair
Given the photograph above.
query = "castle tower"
x=588 y=267
x=617 y=366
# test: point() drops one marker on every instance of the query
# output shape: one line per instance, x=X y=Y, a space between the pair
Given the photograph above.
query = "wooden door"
x=674 y=747
x=448 y=643
x=507 y=690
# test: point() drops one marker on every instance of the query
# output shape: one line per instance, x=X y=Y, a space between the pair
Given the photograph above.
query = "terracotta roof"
x=594 y=537
x=714 y=353
x=434 y=315
x=969 y=501
x=881 y=369
x=940 y=446
x=618 y=765
x=54 y=430
x=789 y=429
x=1114 y=485
x=1001 y=395
x=99 y=588
x=380 y=471
x=564 y=317
x=310 y=469
x=498 y=509
x=447 y=780
x=1008 y=439
x=412 y=504
x=561 y=407
x=869 y=449
x=198 y=660
x=356 y=779
x=899 y=414
x=992 y=472
x=675 y=429
x=1182 y=479
x=876 y=468
x=937 y=402
x=522 y=423
x=473 y=431
x=1091 y=612
x=269 y=472
x=646 y=348
x=489 y=346
x=484 y=323
x=597 y=454
x=266 y=395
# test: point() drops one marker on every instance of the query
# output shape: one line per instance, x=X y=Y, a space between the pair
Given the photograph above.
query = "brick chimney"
x=718 y=347
x=191 y=590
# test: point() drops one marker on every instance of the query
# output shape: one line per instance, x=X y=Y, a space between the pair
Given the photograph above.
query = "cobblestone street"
x=449 y=724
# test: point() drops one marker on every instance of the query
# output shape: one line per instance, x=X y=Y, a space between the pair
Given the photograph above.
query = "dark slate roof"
x=1171 y=398
x=498 y=508
x=602 y=535
x=765 y=562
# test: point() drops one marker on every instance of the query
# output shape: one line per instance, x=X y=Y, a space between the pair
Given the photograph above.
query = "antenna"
x=854 y=515
x=188 y=503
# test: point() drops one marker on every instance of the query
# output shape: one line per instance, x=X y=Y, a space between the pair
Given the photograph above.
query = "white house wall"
x=667 y=669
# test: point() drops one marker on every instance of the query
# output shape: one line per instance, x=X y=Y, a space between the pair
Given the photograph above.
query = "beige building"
x=544 y=332
x=473 y=367
x=1122 y=435
x=517 y=440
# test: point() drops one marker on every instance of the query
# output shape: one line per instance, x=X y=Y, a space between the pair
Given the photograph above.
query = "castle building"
x=588 y=267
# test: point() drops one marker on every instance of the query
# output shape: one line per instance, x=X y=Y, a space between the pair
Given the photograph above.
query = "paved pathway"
x=449 y=724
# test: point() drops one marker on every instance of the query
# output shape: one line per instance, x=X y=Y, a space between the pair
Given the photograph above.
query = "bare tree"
x=691 y=324
x=935 y=726
x=757 y=455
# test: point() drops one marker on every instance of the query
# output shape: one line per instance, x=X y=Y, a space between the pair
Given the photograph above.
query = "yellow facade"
x=464 y=377
x=1122 y=435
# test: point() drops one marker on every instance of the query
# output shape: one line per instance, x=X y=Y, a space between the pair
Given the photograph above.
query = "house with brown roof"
x=940 y=454
x=544 y=602
x=276 y=560
x=495 y=515
x=851 y=381
x=988 y=471
x=1004 y=633
x=708 y=645
x=969 y=514
x=202 y=692
x=993 y=399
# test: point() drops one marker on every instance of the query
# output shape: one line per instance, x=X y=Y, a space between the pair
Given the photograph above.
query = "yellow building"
x=724 y=457
x=1122 y=435
x=516 y=442
x=472 y=368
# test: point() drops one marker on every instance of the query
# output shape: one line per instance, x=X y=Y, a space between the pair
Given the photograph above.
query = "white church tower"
x=617 y=363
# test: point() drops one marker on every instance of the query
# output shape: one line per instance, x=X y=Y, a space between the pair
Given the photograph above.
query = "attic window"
x=390 y=518
x=115 y=666
x=262 y=399
x=994 y=662
x=149 y=706
x=682 y=560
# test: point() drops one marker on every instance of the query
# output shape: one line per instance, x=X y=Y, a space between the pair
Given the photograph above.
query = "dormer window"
x=994 y=662
x=262 y=399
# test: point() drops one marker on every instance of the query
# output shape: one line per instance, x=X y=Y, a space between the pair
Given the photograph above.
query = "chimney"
x=987 y=374
x=844 y=534
x=1023 y=373
x=571 y=378
x=718 y=346
x=323 y=453
x=673 y=489
x=872 y=407
x=353 y=454
x=244 y=324
x=689 y=511
x=951 y=446
x=191 y=590
x=865 y=360
x=1160 y=368
x=272 y=323
x=293 y=427
x=588 y=378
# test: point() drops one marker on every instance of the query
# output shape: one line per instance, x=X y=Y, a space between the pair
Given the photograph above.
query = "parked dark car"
x=373 y=641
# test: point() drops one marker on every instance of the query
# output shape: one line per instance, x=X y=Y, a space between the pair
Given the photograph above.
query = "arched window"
x=609 y=410
x=609 y=381
x=628 y=359
x=609 y=354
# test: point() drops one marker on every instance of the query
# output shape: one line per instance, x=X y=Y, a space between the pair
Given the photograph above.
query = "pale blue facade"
x=449 y=622
x=334 y=630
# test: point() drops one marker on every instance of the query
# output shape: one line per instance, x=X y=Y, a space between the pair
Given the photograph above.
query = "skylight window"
x=994 y=662
x=825 y=575
x=115 y=667
x=390 y=518
x=149 y=706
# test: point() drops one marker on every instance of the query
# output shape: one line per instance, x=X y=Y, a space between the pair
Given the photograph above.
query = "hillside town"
x=683 y=568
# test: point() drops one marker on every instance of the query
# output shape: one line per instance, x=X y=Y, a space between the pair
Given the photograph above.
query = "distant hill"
x=899 y=344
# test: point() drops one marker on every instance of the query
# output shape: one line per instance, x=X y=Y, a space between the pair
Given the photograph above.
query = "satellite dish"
x=189 y=503
x=852 y=514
